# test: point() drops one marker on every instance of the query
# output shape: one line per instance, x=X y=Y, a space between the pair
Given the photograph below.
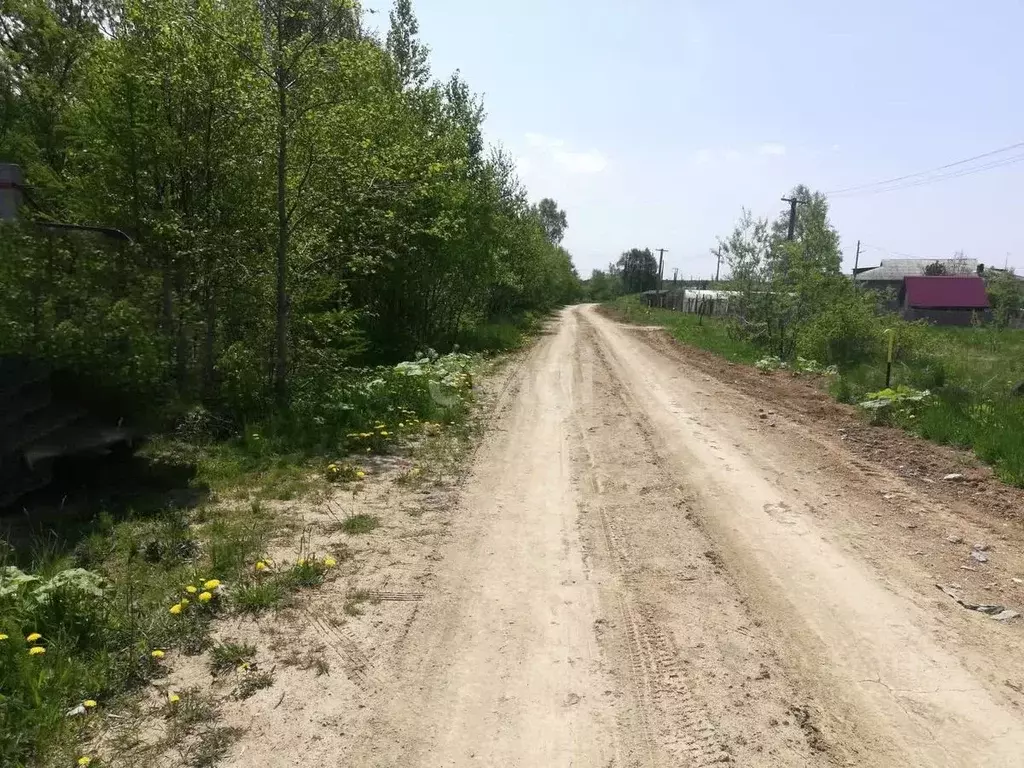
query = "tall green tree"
x=553 y=219
x=639 y=270
x=301 y=198
x=1006 y=296
x=785 y=285
x=403 y=44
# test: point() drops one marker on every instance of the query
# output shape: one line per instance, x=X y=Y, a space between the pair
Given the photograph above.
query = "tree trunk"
x=281 y=336
x=181 y=357
x=210 y=337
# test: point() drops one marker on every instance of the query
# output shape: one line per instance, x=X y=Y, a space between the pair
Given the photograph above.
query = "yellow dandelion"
x=184 y=602
x=260 y=566
x=302 y=561
x=205 y=597
x=157 y=654
x=173 y=698
x=36 y=650
x=383 y=433
x=85 y=760
x=360 y=474
x=34 y=637
x=368 y=449
x=211 y=584
x=401 y=424
x=4 y=636
x=89 y=703
x=176 y=609
x=191 y=590
x=330 y=562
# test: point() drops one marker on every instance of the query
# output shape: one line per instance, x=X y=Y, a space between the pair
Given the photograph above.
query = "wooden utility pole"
x=793 y=203
x=675 y=276
x=718 y=267
x=856 y=259
x=661 y=266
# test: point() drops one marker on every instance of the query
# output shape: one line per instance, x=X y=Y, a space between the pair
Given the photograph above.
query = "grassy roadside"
x=97 y=600
x=710 y=333
x=968 y=372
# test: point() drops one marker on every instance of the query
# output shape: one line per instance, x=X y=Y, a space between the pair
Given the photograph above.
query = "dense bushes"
x=301 y=198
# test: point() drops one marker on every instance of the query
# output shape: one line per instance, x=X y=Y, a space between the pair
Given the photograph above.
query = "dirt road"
x=647 y=568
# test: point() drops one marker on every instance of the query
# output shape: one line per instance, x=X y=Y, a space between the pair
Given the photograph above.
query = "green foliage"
x=552 y=218
x=260 y=596
x=638 y=270
x=714 y=334
x=355 y=525
x=101 y=607
x=845 y=331
x=603 y=286
x=1005 y=295
x=225 y=657
x=796 y=311
x=301 y=197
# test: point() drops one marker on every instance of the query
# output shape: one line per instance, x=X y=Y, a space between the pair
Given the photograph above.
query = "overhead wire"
x=888 y=251
x=924 y=176
x=934 y=179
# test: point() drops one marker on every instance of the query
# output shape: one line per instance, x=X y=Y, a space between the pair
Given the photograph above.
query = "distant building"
x=889 y=274
x=944 y=300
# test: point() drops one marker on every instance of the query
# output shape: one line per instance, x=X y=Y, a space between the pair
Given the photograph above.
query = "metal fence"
x=694 y=301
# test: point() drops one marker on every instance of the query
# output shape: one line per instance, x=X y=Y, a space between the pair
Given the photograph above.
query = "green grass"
x=969 y=370
x=230 y=655
x=500 y=335
x=710 y=333
x=99 y=642
x=253 y=681
x=267 y=590
x=149 y=544
x=259 y=597
x=356 y=525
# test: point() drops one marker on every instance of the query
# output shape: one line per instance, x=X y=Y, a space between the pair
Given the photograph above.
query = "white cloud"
x=572 y=161
x=772 y=148
x=703 y=156
x=732 y=155
x=540 y=140
x=581 y=162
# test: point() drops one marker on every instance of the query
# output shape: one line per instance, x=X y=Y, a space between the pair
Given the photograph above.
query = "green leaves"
x=397 y=232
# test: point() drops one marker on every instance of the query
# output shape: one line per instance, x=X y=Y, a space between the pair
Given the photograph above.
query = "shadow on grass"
x=87 y=493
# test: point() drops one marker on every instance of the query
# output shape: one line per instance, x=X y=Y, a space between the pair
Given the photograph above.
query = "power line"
x=931 y=180
x=888 y=251
x=895 y=179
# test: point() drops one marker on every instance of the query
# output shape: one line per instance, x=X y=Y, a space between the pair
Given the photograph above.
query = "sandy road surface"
x=647 y=569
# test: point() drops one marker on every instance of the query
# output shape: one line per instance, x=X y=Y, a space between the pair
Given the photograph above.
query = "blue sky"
x=654 y=122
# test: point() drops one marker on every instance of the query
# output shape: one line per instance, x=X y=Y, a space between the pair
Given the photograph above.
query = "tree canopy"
x=553 y=219
x=301 y=197
x=638 y=270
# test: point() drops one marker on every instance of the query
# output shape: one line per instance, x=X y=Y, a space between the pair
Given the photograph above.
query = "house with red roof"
x=945 y=300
